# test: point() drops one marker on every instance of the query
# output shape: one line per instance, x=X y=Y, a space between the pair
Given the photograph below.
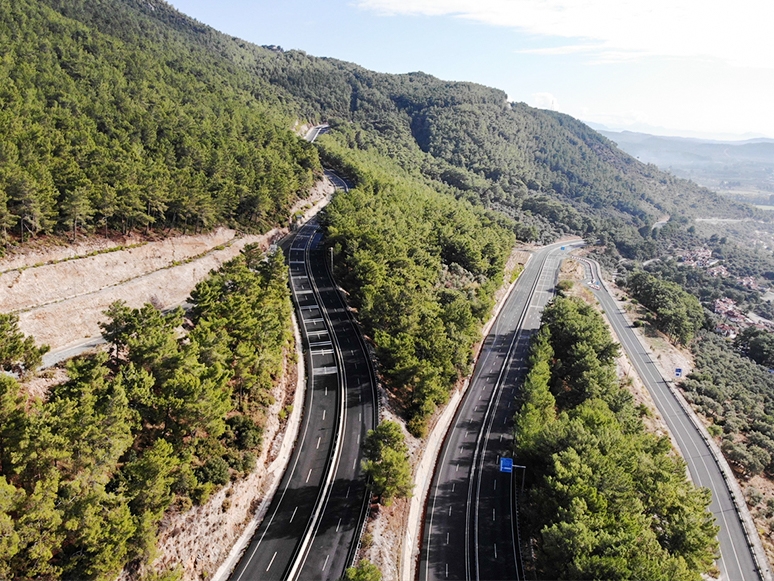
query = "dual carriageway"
x=313 y=524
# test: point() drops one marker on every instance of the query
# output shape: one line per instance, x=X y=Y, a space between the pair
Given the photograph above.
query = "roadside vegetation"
x=604 y=499
x=421 y=267
x=676 y=313
x=363 y=571
x=173 y=412
x=386 y=463
x=18 y=354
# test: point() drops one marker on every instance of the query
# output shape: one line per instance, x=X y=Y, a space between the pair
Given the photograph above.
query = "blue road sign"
x=678 y=372
x=506 y=465
x=562 y=248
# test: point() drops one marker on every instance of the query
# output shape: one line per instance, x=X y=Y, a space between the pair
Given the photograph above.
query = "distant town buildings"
x=728 y=309
x=718 y=271
x=736 y=320
x=699 y=258
x=702 y=258
x=750 y=283
x=726 y=331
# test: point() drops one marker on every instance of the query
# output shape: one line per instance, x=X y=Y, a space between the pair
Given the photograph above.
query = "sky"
x=692 y=68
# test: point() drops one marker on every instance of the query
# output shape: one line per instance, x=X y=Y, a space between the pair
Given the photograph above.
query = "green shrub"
x=214 y=470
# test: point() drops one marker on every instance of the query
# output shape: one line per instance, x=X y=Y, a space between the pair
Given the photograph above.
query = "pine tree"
x=386 y=462
x=76 y=208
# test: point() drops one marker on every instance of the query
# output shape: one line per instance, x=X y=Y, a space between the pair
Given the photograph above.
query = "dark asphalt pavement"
x=315 y=516
x=736 y=562
x=468 y=531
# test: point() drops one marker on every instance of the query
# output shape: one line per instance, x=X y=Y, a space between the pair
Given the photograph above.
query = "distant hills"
x=126 y=115
x=138 y=115
x=735 y=167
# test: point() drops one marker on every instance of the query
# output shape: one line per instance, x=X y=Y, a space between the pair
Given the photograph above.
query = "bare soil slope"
x=61 y=292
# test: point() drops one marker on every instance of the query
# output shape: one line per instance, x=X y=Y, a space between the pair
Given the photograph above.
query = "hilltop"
x=124 y=74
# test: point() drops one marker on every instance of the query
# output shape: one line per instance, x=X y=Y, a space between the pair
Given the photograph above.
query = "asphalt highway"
x=736 y=561
x=316 y=131
x=332 y=548
x=314 y=519
x=469 y=532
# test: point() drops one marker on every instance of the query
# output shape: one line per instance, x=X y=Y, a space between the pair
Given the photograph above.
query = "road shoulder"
x=668 y=358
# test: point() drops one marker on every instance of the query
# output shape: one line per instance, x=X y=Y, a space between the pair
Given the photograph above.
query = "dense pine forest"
x=423 y=268
x=100 y=132
x=121 y=115
x=170 y=414
x=606 y=499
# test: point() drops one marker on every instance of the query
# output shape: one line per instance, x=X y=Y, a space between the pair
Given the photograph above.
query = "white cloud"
x=545 y=101
x=737 y=32
x=564 y=49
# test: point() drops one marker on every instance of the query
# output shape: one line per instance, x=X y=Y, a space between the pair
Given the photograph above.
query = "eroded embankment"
x=60 y=293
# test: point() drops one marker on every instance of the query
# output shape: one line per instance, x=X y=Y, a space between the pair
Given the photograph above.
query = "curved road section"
x=343 y=511
x=314 y=520
x=736 y=561
x=468 y=530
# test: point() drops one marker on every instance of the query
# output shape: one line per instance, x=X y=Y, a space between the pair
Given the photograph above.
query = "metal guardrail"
x=734 y=490
x=368 y=351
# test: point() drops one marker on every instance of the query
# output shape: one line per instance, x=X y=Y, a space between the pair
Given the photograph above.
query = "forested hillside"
x=548 y=171
x=102 y=131
x=172 y=413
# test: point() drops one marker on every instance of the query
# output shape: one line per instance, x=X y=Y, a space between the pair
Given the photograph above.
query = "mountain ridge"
x=546 y=170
